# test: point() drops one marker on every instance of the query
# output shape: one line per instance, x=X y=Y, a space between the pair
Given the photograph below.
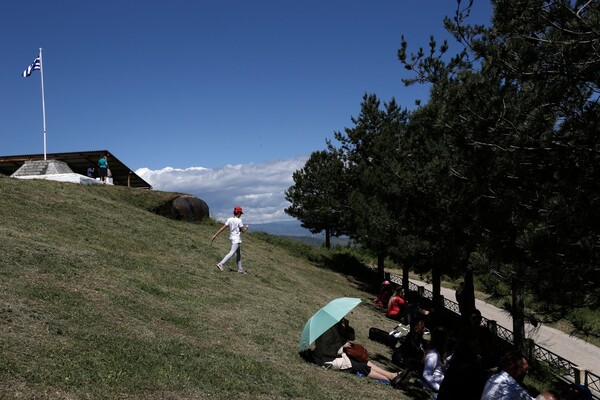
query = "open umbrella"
x=325 y=318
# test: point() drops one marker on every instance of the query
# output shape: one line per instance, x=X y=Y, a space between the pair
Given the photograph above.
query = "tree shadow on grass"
x=359 y=274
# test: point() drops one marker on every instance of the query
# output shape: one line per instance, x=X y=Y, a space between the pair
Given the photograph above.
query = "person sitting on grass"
x=411 y=352
x=329 y=352
x=436 y=359
x=490 y=351
x=577 y=392
x=397 y=306
x=385 y=292
x=507 y=384
x=465 y=377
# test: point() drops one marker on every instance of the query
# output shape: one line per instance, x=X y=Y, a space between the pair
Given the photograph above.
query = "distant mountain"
x=293 y=229
x=284 y=228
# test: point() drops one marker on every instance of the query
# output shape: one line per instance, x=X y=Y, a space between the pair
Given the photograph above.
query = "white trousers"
x=236 y=248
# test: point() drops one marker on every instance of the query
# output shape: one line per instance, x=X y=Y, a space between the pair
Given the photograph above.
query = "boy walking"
x=236 y=228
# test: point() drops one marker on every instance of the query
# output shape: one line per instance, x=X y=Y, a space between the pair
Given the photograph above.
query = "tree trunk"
x=327 y=238
x=436 y=288
x=518 y=315
x=469 y=291
x=381 y=266
x=405 y=281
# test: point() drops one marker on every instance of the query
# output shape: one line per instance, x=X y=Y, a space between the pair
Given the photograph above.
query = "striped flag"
x=36 y=64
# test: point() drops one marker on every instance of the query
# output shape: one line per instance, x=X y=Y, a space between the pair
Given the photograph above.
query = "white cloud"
x=258 y=188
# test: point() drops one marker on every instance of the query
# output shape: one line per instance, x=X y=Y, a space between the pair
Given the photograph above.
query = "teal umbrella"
x=325 y=318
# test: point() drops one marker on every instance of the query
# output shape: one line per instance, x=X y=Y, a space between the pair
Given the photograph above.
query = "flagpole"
x=43 y=101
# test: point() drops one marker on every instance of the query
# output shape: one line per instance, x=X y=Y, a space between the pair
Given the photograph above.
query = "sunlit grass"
x=103 y=299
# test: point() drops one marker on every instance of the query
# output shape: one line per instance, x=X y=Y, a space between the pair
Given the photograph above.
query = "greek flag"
x=36 y=64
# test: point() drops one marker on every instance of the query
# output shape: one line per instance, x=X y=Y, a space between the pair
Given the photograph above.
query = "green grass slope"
x=102 y=299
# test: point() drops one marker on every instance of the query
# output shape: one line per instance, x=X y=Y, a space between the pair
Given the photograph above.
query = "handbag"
x=357 y=352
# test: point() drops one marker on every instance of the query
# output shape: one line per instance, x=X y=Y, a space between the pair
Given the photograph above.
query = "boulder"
x=186 y=208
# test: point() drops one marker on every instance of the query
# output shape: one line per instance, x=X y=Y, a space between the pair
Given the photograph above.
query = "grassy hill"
x=102 y=299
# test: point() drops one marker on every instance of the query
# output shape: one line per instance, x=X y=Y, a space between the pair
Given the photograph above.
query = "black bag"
x=398 y=358
x=381 y=336
x=410 y=353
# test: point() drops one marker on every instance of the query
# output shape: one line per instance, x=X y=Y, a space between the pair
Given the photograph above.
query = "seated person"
x=549 y=395
x=329 y=348
x=411 y=352
x=465 y=377
x=385 y=292
x=414 y=309
x=490 y=351
x=507 y=384
x=397 y=306
x=577 y=392
x=436 y=359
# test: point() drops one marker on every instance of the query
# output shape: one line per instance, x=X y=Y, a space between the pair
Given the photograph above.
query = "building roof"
x=79 y=162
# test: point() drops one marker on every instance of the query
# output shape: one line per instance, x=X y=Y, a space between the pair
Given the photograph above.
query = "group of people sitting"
x=392 y=299
x=397 y=306
x=467 y=365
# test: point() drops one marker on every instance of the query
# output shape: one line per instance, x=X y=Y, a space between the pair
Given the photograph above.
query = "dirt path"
x=579 y=352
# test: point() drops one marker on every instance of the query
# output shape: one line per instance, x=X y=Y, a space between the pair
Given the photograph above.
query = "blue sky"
x=220 y=99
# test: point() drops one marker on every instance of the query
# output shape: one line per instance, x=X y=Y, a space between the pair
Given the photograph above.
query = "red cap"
x=237 y=210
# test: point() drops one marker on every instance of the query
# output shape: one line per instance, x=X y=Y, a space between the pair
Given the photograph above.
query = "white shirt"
x=502 y=386
x=235 y=224
x=434 y=369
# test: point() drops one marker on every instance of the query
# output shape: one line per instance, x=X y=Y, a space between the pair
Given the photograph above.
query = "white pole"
x=43 y=101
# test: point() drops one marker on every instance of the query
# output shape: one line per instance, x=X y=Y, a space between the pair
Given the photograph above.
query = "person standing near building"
x=236 y=228
x=103 y=167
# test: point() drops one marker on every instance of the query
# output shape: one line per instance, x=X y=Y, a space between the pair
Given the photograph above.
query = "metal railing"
x=564 y=368
x=501 y=332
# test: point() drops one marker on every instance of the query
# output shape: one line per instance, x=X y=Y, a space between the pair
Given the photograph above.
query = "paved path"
x=579 y=352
